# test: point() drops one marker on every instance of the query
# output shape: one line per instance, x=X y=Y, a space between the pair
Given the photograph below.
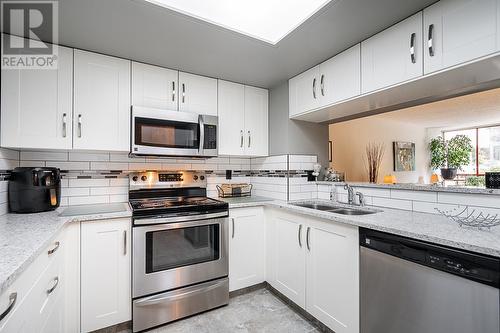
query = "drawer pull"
x=54 y=249
x=56 y=280
x=12 y=302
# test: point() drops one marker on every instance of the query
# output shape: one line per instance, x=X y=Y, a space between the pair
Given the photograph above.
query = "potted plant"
x=450 y=155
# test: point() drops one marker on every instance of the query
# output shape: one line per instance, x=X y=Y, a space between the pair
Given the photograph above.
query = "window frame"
x=476 y=129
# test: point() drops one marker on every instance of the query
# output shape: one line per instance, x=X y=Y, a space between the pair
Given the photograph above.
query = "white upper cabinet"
x=243 y=120
x=105 y=273
x=246 y=247
x=101 y=102
x=231 y=118
x=256 y=121
x=197 y=94
x=36 y=105
x=330 y=82
x=304 y=92
x=340 y=77
x=457 y=31
x=154 y=86
x=392 y=56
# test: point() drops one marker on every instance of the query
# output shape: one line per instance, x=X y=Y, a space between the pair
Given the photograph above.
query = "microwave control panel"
x=210 y=137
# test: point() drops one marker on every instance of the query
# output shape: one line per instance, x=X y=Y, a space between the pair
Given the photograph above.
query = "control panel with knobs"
x=166 y=179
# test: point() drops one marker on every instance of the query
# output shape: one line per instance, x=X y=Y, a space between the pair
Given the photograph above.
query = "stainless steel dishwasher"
x=410 y=286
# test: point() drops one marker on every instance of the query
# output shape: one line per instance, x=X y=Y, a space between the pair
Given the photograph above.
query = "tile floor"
x=257 y=311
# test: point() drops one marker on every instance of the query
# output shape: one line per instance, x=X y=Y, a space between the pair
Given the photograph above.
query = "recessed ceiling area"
x=146 y=32
x=266 y=20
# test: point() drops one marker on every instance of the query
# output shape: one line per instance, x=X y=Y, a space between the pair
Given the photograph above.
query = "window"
x=486 y=154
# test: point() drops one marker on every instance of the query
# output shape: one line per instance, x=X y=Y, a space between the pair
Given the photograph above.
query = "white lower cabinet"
x=105 y=273
x=246 y=247
x=315 y=264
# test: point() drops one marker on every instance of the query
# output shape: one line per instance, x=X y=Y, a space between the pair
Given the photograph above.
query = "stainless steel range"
x=180 y=248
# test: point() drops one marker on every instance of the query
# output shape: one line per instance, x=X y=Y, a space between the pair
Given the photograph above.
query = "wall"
x=292 y=136
x=350 y=139
x=9 y=159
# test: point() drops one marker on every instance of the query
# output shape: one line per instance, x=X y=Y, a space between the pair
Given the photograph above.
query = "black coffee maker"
x=33 y=190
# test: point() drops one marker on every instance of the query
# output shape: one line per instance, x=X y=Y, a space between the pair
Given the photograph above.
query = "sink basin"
x=316 y=206
x=335 y=209
x=349 y=211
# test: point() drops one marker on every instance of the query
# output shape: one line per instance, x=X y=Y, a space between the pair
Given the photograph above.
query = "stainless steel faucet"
x=361 y=198
x=350 y=193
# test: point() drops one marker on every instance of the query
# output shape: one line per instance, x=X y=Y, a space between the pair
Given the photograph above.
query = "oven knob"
x=195 y=177
x=202 y=177
x=144 y=178
x=135 y=178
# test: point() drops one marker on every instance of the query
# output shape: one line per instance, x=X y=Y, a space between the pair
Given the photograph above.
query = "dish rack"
x=471 y=219
x=234 y=190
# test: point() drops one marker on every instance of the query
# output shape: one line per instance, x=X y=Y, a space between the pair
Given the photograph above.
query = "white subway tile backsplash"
x=481 y=200
x=118 y=182
x=91 y=157
x=430 y=207
x=79 y=166
x=88 y=182
x=118 y=198
x=124 y=157
x=144 y=166
x=74 y=191
x=101 y=166
x=88 y=200
x=9 y=154
x=373 y=192
x=108 y=190
x=44 y=155
x=392 y=203
x=32 y=164
x=414 y=195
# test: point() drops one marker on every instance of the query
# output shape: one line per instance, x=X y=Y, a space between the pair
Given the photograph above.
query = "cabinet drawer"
x=25 y=284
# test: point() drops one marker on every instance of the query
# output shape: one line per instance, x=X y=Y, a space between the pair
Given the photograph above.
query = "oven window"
x=168 y=249
x=165 y=133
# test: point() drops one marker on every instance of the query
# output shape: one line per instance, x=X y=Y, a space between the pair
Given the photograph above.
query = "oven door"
x=165 y=132
x=172 y=255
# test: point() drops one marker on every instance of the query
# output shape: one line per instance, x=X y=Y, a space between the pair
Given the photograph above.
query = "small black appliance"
x=33 y=190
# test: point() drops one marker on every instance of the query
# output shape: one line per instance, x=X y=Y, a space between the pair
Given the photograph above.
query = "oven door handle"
x=167 y=297
x=202 y=134
x=185 y=218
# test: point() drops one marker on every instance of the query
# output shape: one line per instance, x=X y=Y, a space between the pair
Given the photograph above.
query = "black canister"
x=33 y=190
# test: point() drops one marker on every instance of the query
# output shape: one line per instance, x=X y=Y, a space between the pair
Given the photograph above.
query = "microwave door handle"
x=202 y=134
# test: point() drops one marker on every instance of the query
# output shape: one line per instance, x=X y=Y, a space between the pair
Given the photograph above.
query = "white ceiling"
x=141 y=31
x=477 y=109
x=261 y=19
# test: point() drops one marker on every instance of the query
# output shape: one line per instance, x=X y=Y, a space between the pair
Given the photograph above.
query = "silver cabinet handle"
x=412 y=47
x=300 y=235
x=249 y=139
x=64 y=125
x=49 y=252
x=232 y=232
x=241 y=139
x=321 y=84
x=308 y=232
x=183 y=92
x=50 y=290
x=124 y=242
x=79 y=125
x=430 y=40
x=314 y=88
x=12 y=302
x=173 y=91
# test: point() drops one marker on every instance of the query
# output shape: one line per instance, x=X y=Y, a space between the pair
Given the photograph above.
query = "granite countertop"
x=242 y=202
x=24 y=236
x=420 y=187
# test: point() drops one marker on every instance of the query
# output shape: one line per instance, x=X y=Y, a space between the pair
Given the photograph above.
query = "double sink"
x=343 y=210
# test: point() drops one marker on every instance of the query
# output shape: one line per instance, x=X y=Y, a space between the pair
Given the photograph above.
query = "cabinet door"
x=289 y=257
x=392 y=56
x=197 y=94
x=340 y=76
x=231 y=111
x=36 y=105
x=246 y=247
x=304 y=92
x=456 y=31
x=101 y=102
x=105 y=273
x=154 y=87
x=256 y=121
x=333 y=276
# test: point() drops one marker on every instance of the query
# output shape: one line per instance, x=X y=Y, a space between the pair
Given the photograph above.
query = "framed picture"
x=330 y=151
x=404 y=156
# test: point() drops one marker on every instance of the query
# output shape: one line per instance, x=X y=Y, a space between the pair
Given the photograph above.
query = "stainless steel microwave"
x=172 y=133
